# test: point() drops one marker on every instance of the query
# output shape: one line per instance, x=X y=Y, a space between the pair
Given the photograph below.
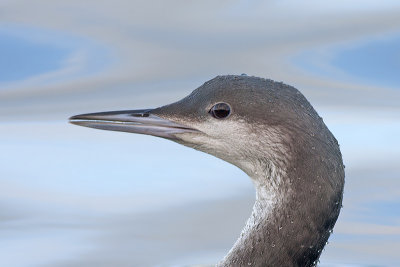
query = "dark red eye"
x=220 y=111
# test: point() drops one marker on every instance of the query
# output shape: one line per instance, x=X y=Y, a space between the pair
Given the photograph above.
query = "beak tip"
x=74 y=119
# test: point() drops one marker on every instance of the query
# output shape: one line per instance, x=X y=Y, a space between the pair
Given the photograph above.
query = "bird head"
x=239 y=119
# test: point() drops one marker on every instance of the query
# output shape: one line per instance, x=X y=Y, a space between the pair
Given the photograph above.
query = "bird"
x=270 y=131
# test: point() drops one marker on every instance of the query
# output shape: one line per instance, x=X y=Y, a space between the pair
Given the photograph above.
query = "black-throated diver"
x=271 y=132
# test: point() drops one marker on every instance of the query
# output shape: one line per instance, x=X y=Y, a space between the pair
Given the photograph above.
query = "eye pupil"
x=220 y=110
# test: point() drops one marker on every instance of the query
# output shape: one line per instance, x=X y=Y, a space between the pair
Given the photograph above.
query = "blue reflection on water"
x=30 y=52
x=376 y=61
x=383 y=212
x=21 y=58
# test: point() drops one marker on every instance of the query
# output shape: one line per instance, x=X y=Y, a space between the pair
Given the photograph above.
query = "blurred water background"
x=71 y=196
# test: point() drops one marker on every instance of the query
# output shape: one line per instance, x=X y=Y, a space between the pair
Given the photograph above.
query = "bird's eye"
x=220 y=111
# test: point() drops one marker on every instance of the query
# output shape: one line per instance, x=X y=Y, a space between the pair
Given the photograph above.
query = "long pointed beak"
x=132 y=121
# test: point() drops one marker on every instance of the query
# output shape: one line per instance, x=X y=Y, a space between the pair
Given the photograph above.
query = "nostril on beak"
x=140 y=114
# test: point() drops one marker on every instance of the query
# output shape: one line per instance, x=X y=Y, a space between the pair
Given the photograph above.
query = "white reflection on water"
x=72 y=196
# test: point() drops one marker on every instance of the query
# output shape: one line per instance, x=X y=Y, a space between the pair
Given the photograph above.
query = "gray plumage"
x=275 y=136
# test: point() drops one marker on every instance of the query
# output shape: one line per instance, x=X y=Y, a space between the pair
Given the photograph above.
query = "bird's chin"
x=133 y=121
